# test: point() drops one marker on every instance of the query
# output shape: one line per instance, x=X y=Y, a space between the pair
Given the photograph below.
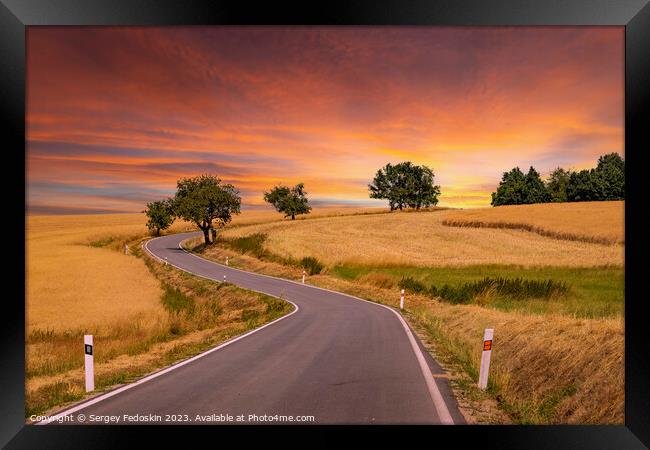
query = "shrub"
x=312 y=265
x=253 y=244
x=412 y=285
x=516 y=288
x=380 y=280
x=175 y=301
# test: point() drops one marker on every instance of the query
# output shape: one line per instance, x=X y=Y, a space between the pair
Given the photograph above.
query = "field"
x=421 y=240
x=60 y=260
x=143 y=316
x=600 y=222
x=67 y=252
x=541 y=374
x=79 y=280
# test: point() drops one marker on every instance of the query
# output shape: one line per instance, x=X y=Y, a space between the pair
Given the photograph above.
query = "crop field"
x=79 y=281
x=540 y=375
x=421 y=240
x=72 y=285
x=600 y=222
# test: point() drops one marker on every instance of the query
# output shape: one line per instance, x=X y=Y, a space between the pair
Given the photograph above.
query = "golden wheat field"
x=539 y=371
x=421 y=239
x=71 y=285
x=586 y=221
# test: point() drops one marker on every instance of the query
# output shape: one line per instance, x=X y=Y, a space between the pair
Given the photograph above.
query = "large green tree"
x=534 y=188
x=160 y=214
x=557 y=183
x=610 y=172
x=290 y=201
x=405 y=185
x=511 y=189
x=204 y=200
x=583 y=186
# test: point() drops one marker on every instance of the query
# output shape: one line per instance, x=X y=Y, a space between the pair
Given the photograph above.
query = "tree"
x=511 y=189
x=610 y=174
x=534 y=189
x=203 y=199
x=557 y=183
x=583 y=186
x=290 y=201
x=160 y=214
x=405 y=185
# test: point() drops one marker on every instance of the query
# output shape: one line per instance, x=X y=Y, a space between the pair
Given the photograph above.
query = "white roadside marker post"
x=401 y=300
x=303 y=277
x=165 y=260
x=89 y=363
x=126 y=249
x=485 y=358
x=227 y=261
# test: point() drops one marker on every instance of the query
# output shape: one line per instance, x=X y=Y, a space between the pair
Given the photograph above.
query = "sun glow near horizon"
x=116 y=115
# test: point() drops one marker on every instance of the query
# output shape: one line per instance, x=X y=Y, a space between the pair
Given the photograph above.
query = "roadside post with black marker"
x=89 y=362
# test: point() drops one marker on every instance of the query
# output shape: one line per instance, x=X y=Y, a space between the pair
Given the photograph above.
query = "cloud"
x=127 y=111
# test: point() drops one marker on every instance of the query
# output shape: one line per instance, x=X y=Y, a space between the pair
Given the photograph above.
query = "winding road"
x=335 y=359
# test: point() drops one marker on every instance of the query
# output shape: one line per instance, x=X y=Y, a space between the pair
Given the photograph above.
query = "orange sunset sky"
x=115 y=115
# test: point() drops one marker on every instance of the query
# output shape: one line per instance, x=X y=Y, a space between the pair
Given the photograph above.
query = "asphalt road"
x=337 y=358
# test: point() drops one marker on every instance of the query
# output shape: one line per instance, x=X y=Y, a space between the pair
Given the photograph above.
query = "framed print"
x=421 y=218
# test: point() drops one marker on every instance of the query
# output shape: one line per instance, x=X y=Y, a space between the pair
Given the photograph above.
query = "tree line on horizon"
x=208 y=203
x=604 y=182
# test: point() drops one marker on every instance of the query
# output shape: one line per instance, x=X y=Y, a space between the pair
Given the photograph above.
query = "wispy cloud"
x=116 y=115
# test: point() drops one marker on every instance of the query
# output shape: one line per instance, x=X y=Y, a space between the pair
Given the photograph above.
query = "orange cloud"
x=114 y=111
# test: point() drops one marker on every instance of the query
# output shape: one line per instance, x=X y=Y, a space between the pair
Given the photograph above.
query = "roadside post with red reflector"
x=303 y=276
x=401 y=300
x=485 y=358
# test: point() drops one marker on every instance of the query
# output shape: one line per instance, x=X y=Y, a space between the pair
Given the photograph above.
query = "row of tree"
x=208 y=203
x=604 y=182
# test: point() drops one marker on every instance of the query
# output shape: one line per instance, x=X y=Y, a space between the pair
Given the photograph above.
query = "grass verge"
x=199 y=314
x=539 y=375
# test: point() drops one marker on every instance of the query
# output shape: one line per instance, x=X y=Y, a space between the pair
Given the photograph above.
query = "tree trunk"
x=206 y=235
x=293 y=217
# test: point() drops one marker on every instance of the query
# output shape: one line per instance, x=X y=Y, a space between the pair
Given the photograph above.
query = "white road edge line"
x=434 y=392
x=170 y=368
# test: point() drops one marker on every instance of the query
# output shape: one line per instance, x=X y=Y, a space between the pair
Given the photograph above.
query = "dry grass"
x=420 y=239
x=545 y=368
x=74 y=286
x=538 y=369
x=251 y=217
x=599 y=222
x=79 y=281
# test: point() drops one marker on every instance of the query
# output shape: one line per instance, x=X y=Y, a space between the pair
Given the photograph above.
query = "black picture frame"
x=634 y=15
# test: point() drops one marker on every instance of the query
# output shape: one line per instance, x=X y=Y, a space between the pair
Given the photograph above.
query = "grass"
x=592 y=292
x=550 y=349
x=254 y=245
x=482 y=291
x=595 y=222
x=198 y=309
x=142 y=314
x=549 y=355
x=421 y=239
